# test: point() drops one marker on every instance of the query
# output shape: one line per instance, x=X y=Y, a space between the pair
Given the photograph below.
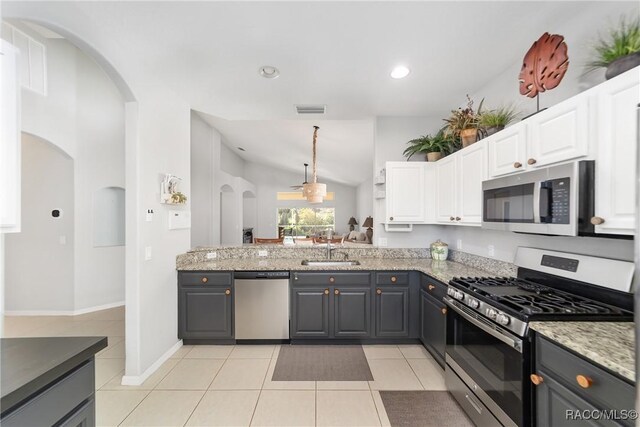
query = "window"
x=306 y=221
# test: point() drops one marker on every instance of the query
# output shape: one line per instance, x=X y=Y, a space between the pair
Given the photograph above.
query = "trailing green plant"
x=621 y=41
x=463 y=118
x=428 y=144
x=499 y=117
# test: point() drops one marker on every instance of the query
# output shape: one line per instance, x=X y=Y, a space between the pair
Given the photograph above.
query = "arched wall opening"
x=249 y=213
x=228 y=216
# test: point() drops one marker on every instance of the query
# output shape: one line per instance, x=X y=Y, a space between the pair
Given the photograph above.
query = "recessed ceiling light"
x=400 y=72
x=241 y=149
x=269 y=72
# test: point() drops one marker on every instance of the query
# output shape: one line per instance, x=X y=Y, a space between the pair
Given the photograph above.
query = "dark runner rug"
x=322 y=363
x=423 y=409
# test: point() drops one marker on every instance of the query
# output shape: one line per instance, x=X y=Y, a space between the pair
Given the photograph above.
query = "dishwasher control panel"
x=261 y=275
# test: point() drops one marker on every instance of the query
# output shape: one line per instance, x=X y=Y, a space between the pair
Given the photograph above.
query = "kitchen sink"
x=329 y=262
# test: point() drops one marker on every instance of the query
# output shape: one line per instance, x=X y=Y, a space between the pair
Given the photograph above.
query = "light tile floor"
x=231 y=385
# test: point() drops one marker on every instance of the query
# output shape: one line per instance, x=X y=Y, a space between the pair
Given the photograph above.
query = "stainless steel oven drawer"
x=472 y=406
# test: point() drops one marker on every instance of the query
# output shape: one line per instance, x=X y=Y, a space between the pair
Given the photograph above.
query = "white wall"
x=364 y=202
x=82 y=114
x=39 y=268
x=202 y=173
x=230 y=162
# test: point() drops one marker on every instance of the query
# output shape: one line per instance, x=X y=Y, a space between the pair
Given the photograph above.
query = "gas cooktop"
x=531 y=300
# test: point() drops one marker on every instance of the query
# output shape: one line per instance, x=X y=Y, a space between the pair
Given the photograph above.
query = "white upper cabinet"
x=459 y=186
x=405 y=197
x=446 y=190
x=472 y=170
x=507 y=150
x=617 y=103
x=559 y=133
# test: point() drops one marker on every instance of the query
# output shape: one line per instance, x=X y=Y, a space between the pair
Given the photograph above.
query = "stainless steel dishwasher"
x=262 y=305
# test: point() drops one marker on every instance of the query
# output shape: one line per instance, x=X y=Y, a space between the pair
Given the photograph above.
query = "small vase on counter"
x=439 y=250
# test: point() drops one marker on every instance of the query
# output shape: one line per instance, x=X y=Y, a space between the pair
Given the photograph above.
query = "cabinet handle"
x=379 y=291
x=204 y=279
x=394 y=279
x=227 y=292
x=443 y=310
x=336 y=292
x=584 y=381
x=451 y=218
x=326 y=291
x=596 y=220
x=532 y=161
x=517 y=165
x=458 y=218
x=536 y=379
x=431 y=287
x=332 y=279
x=390 y=218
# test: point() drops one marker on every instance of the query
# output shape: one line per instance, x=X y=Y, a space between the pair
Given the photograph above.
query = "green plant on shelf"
x=621 y=41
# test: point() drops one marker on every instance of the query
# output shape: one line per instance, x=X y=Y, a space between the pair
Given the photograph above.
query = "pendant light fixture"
x=314 y=192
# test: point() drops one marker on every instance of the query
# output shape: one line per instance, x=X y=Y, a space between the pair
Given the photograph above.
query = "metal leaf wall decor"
x=544 y=65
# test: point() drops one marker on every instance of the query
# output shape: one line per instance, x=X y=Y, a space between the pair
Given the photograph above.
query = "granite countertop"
x=609 y=344
x=29 y=364
x=441 y=270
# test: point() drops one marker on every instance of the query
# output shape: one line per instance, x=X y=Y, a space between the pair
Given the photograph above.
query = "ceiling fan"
x=299 y=187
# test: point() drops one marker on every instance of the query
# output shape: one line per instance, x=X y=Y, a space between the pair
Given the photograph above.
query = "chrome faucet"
x=329 y=235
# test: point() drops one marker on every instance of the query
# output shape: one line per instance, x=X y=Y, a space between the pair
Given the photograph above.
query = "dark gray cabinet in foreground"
x=433 y=325
x=205 y=306
x=310 y=312
x=351 y=312
x=567 y=383
x=392 y=311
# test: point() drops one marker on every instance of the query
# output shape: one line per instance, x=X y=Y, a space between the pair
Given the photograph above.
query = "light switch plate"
x=212 y=255
x=263 y=253
x=149 y=215
x=459 y=244
x=491 y=250
x=147 y=253
x=382 y=241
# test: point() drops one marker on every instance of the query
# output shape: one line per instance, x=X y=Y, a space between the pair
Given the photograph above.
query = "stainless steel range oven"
x=488 y=345
x=488 y=360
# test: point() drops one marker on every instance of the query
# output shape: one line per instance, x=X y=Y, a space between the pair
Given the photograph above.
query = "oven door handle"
x=514 y=343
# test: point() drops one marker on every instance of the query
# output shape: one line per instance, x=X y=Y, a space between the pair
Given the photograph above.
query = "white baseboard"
x=139 y=379
x=63 y=312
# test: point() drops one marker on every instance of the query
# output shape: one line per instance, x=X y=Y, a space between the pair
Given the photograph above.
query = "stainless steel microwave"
x=556 y=200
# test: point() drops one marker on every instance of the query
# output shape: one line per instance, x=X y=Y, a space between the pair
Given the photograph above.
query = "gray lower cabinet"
x=205 y=312
x=351 y=315
x=84 y=416
x=433 y=325
x=567 y=382
x=310 y=312
x=392 y=311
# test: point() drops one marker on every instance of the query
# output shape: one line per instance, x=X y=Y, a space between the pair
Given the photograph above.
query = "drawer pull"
x=390 y=218
x=431 y=287
x=532 y=161
x=458 y=218
x=227 y=292
x=204 y=279
x=336 y=292
x=379 y=291
x=596 y=220
x=451 y=218
x=443 y=310
x=536 y=379
x=517 y=165
x=394 y=279
x=332 y=279
x=326 y=291
x=584 y=381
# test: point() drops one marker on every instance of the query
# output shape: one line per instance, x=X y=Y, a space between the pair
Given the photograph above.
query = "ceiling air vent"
x=311 y=109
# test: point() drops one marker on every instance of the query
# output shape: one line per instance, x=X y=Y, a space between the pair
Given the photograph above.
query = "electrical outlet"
x=459 y=244
x=382 y=241
x=62 y=240
x=491 y=250
x=147 y=253
x=149 y=215
x=263 y=253
x=212 y=255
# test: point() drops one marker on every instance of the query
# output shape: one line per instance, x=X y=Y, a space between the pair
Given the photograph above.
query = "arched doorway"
x=229 y=233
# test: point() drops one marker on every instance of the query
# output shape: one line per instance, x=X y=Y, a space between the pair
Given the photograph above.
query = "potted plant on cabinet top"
x=620 y=51
x=493 y=121
x=463 y=123
x=435 y=147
